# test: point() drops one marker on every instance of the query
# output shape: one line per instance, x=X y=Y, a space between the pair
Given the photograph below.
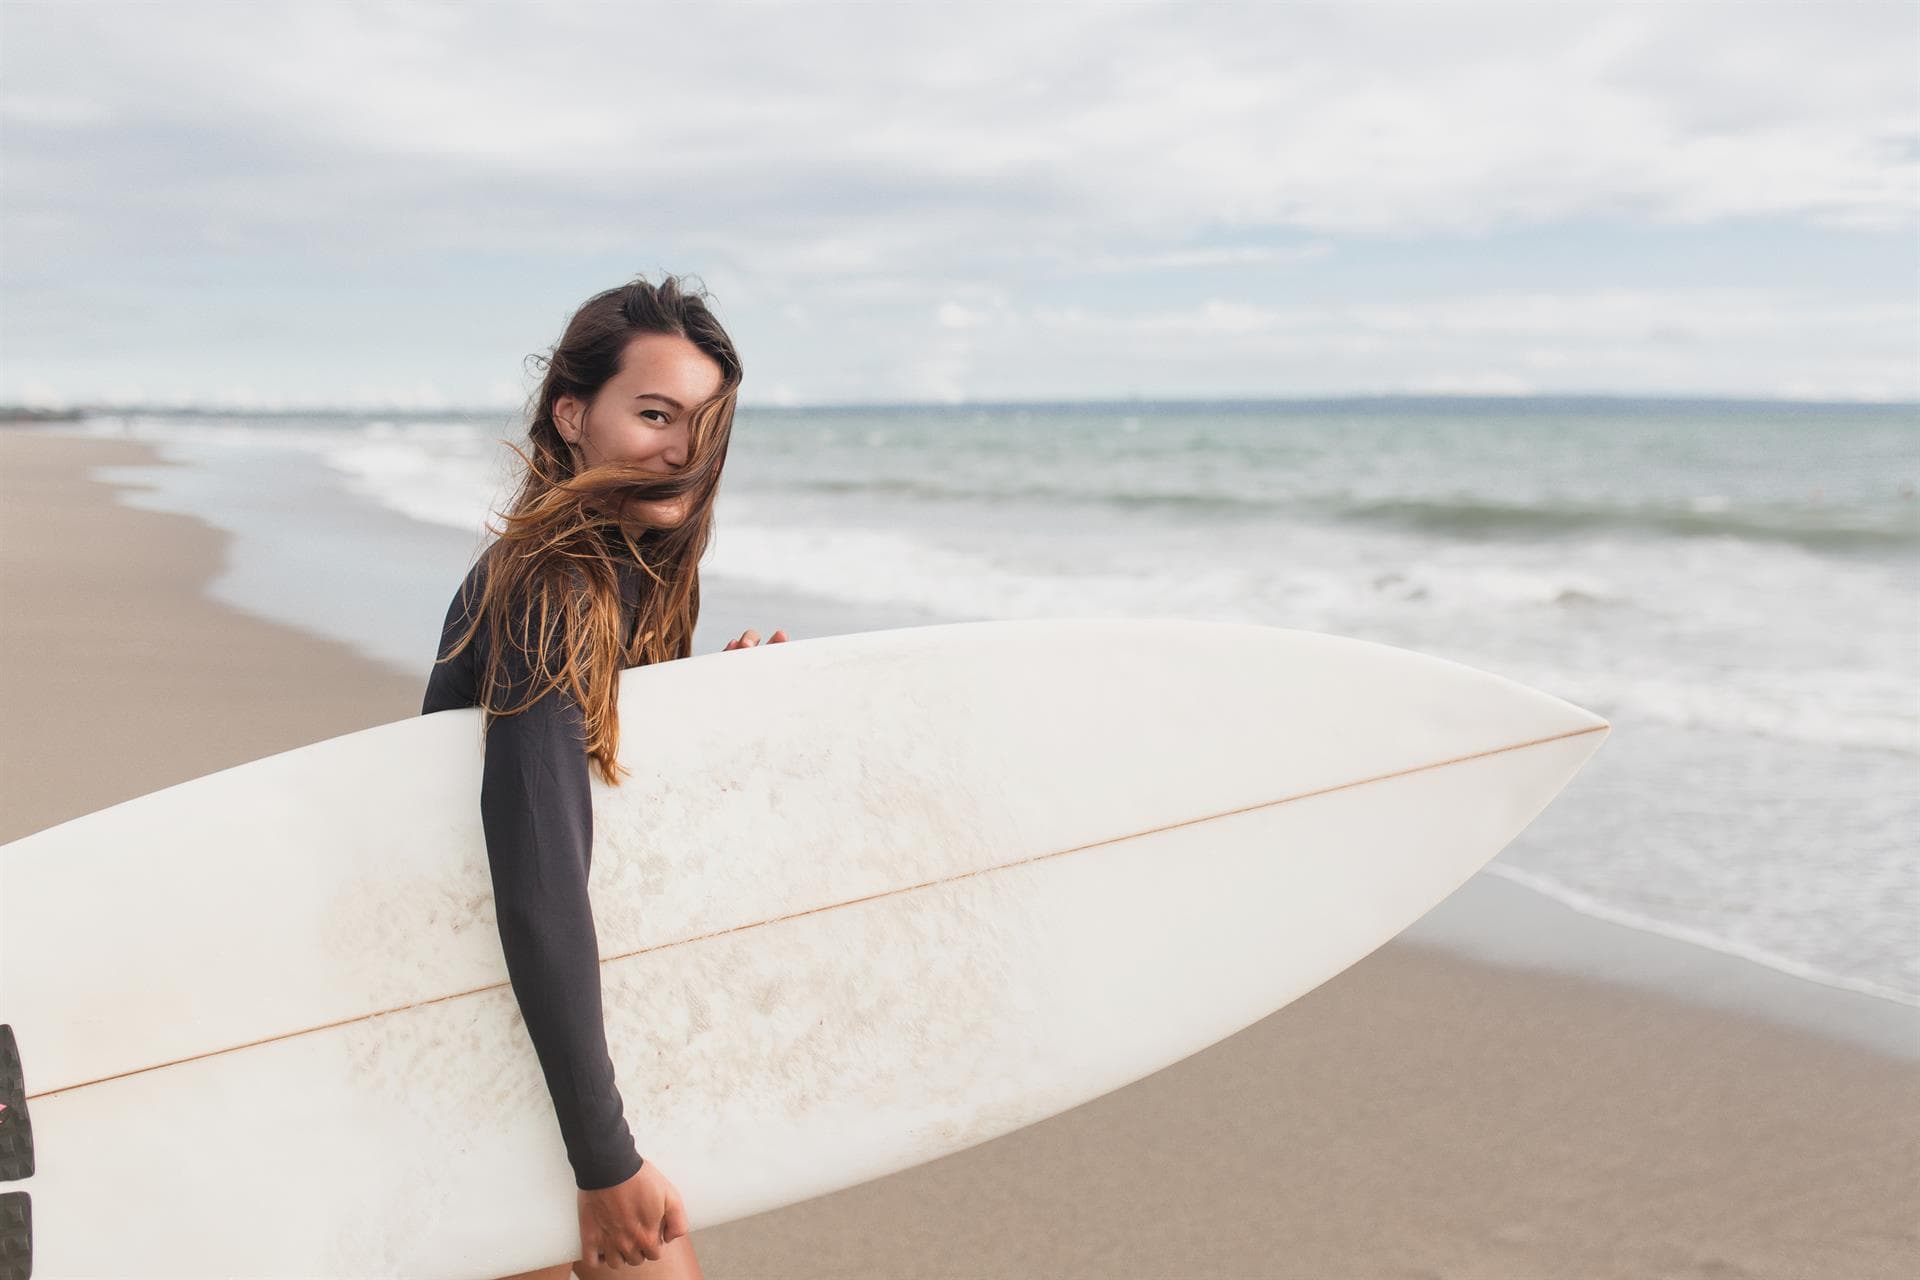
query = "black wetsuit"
x=536 y=811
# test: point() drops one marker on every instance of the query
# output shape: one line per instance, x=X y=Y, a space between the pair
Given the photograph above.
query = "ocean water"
x=1734 y=585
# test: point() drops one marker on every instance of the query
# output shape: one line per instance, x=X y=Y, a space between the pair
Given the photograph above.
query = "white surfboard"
x=865 y=901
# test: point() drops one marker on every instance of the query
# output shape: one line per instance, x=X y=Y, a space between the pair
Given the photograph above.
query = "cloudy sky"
x=392 y=204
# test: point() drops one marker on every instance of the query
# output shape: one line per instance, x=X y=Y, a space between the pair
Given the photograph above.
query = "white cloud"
x=56 y=109
x=1603 y=315
x=952 y=315
x=195 y=168
x=1485 y=383
x=38 y=394
x=1366 y=118
x=420 y=396
x=1229 y=255
x=1720 y=342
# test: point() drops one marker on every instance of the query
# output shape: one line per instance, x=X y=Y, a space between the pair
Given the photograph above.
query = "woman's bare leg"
x=676 y=1262
x=559 y=1272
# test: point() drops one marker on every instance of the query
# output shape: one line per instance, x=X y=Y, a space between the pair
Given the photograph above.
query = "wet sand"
x=1422 y=1115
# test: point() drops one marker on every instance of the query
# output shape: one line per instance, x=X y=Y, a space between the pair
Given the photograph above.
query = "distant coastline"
x=13 y=414
x=1407 y=401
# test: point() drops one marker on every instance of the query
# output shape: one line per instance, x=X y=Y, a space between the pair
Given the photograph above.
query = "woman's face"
x=644 y=414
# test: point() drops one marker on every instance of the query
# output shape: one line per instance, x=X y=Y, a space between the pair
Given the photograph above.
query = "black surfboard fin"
x=16 y=1131
x=16 y=1236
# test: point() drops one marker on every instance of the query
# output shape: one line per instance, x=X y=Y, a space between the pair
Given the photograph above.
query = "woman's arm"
x=536 y=810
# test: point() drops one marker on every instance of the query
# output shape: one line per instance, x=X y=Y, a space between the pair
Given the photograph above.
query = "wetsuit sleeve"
x=536 y=810
x=451 y=682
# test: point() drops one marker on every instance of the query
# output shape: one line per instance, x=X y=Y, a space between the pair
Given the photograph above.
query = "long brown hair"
x=550 y=581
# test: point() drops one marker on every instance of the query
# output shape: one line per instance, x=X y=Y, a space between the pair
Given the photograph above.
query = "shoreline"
x=117 y=675
x=1427 y=1111
x=1497 y=921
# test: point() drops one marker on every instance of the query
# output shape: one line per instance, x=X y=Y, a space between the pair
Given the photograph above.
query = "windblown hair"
x=551 y=586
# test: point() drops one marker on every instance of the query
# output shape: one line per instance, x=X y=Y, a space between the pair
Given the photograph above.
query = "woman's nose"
x=679 y=446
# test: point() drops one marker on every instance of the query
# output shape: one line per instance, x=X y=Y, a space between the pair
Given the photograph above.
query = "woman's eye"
x=662 y=412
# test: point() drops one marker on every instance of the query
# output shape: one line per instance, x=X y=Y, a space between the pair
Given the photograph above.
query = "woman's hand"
x=750 y=638
x=629 y=1223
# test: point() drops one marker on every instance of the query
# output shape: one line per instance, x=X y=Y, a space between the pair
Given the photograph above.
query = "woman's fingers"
x=749 y=638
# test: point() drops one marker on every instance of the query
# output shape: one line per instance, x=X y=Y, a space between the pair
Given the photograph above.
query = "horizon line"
x=68 y=411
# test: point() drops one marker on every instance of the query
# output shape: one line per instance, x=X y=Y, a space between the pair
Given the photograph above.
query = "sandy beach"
x=1422 y=1115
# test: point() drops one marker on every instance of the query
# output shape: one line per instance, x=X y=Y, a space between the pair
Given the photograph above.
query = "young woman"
x=596 y=570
